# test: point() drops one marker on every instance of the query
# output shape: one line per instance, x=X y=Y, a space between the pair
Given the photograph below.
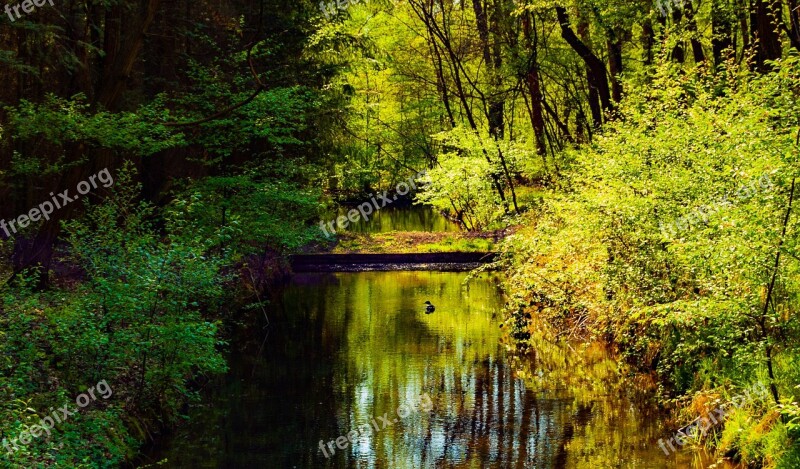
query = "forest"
x=629 y=163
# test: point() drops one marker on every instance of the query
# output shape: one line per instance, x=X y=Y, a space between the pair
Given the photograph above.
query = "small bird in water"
x=430 y=308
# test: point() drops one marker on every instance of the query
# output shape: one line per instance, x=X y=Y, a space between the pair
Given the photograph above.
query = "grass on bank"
x=406 y=242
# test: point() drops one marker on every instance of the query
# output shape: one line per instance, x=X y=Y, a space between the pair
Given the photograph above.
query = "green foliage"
x=275 y=118
x=760 y=438
x=60 y=121
x=135 y=322
x=245 y=214
x=139 y=291
x=463 y=182
x=687 y=301
x=145 y=298
x=657 y=239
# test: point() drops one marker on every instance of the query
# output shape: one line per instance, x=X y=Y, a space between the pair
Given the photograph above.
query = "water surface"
x=413 y=218
x=344 y=349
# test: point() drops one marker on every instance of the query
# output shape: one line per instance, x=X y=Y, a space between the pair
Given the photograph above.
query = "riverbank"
x=693 y=316
x=404 y=242
x=148 y=309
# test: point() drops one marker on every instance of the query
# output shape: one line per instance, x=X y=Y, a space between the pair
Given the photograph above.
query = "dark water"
x=346 y=349
x=413 y=218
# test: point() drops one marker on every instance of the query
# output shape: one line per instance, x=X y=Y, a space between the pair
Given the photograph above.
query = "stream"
x=349 y=350
x=412 y=218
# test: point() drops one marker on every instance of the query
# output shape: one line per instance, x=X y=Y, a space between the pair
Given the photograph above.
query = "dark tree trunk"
x=594 y=95
x=742 y=14
x=497 y=103
x=722 y=31
x=614 y=44
x=697 y=46
x=678 y=52
x=123 y=39
x=794 y=23
x=493 y=62
x=595 y=68
x=764 y=22
x=648 y=41
x=122 y=47
x=533 y=81
x=442 y=83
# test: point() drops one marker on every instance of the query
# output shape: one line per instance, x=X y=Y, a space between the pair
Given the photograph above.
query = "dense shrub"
x=665 y=241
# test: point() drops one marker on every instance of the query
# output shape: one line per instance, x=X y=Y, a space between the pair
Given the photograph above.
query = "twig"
x=771 y=287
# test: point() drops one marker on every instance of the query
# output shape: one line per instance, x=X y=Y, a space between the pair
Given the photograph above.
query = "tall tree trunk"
x=595 y=68
x=691 y=26
x=614 y=44
x=493 y=58
x=794 y=22
x=533 y=81
x=647 y=39
x=122 y=47
x=764 y=22
x=123 y=41
x=594 y=95
x=678 y=52
x=721 y=30
x=493 y=61
x=440 y=33
x=497 y=103
x=442 y=82
x=742 y=8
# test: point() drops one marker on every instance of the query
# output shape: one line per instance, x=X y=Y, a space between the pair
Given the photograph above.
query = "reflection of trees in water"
x=345 y=349
x=483 y=415
x=498 y=422
x=603 y=421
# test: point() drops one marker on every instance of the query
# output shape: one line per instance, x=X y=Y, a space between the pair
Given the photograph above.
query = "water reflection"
x=344 y=349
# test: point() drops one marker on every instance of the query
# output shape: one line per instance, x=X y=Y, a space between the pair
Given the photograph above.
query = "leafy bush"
x=463 y=183
x=687 y=302
x=246 y=214
x=136 y=320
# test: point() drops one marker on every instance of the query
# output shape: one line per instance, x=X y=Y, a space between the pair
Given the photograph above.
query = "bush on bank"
x=140 y=301
x=664 y=244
